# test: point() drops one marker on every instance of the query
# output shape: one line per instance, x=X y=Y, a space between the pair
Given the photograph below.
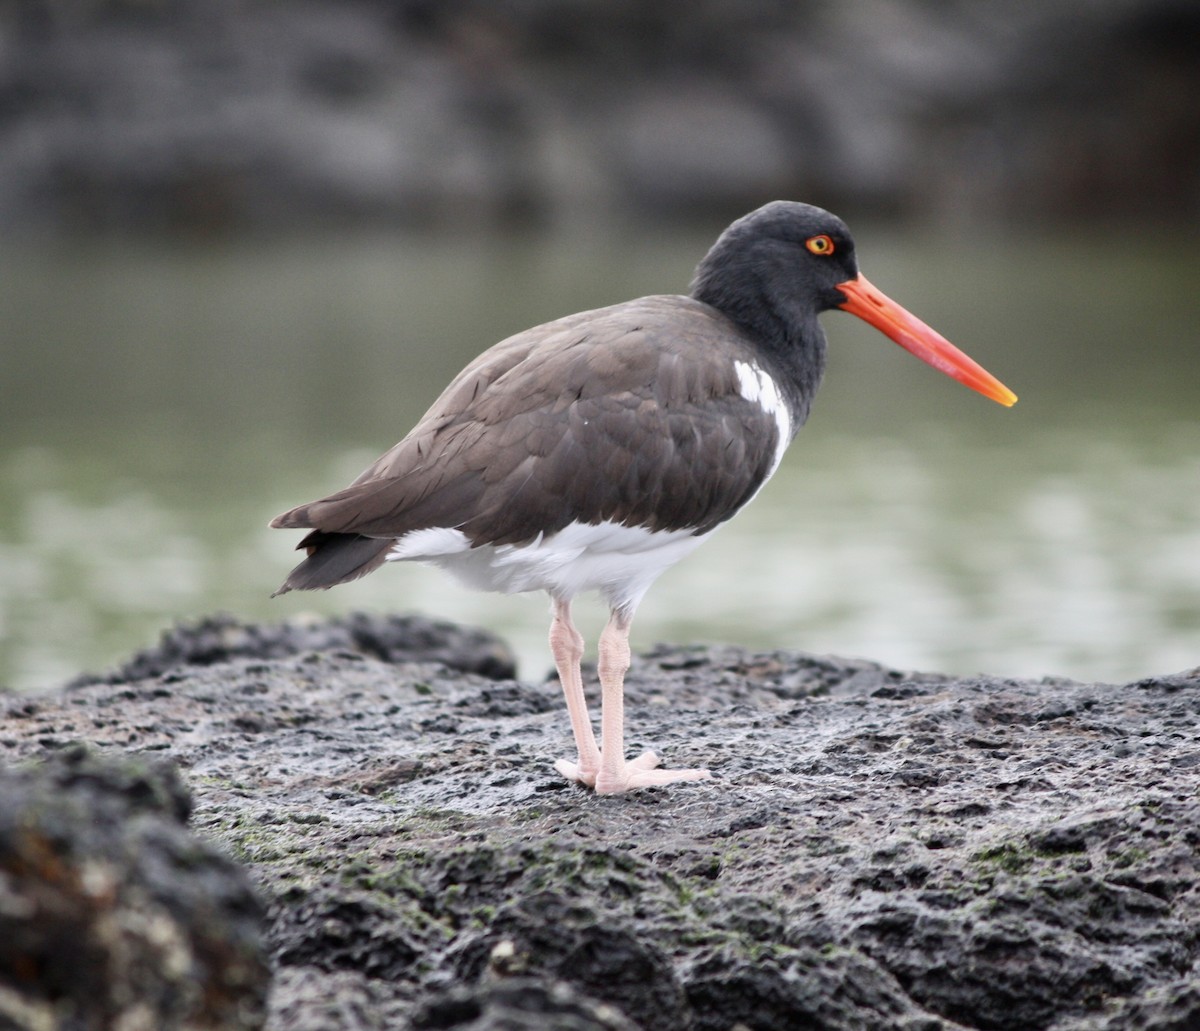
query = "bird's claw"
x=630 y=775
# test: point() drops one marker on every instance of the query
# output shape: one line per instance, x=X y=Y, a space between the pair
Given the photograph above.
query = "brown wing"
x=629 y=414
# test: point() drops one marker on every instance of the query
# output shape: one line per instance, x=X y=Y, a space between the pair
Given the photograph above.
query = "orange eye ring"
x=820 y=245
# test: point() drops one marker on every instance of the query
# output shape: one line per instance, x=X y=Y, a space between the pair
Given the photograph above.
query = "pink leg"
x=566 y=645
x=617 y=775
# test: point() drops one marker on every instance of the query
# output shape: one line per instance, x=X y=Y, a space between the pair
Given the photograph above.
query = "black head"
x=775 y=269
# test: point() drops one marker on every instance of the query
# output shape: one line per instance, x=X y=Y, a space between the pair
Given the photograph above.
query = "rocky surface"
x=211 y=115
x=112 y=914
x=877 y=849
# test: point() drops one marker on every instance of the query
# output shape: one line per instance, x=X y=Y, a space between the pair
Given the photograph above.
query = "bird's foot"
x=630 y=775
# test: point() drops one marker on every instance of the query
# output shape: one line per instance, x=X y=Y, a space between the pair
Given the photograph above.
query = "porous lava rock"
x=876 y=849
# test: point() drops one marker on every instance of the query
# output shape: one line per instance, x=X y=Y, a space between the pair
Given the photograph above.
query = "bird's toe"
x=575 y=772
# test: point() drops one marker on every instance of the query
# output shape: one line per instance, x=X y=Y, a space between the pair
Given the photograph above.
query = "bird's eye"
x=822 y=244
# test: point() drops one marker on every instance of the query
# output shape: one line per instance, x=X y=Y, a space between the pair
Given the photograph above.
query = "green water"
x=158 y=405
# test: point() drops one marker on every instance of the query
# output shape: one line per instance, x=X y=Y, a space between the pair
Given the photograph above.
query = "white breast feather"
x=620 y=562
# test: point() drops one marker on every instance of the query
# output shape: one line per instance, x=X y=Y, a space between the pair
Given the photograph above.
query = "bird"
x=591 y=453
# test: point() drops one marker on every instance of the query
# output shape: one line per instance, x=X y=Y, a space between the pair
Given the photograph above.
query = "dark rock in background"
x=207 y=115
x=113 y=914
x=223 y=638
x=877 y=849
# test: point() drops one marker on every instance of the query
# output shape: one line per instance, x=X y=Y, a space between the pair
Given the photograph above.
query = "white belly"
x=620 y=562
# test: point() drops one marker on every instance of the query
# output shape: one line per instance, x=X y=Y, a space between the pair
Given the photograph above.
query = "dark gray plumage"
x=620 y=414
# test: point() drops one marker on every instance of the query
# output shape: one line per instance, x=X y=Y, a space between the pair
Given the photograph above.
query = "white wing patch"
x=757 y=386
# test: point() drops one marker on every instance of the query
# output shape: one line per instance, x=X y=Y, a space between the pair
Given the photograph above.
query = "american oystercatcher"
x=595 y=451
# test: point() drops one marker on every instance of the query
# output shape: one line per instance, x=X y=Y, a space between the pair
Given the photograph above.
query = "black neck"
x=792 y=342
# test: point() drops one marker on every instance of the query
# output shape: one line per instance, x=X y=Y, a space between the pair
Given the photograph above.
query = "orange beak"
x=870 y=305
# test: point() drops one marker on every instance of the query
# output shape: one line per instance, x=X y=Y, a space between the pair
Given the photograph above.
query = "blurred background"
x=244 y=243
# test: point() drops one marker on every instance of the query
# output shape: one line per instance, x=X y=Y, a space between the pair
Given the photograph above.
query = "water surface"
x=161 y=403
